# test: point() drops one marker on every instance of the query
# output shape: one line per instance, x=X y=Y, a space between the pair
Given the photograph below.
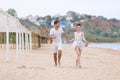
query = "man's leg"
x=55 y=58
x=59 y=53
x=55 y=55
x=59 y=56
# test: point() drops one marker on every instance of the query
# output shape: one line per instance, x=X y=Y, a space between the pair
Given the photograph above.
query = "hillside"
x=96 y=28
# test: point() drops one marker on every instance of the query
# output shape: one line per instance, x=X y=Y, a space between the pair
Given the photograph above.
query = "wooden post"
x=30 y=39
x=5 y=36
x=19 y=42
x=10 y=41
x=0 y=40
x=39 y=41
x=7 y=42
x=17 y=50
x=26 y=41
x=7 y=46
x=22 y=42
x=4 y=40
x=35 y=41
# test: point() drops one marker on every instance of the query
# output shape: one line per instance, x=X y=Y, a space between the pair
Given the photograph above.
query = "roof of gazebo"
x=33 y=28
x=10 y=23
x=30 y=26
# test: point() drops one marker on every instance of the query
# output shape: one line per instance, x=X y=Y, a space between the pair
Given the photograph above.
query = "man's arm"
x=73 y=38
x=52 y=36
x=65 y=35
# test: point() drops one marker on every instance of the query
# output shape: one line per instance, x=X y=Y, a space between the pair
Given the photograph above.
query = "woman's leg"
x=79 y=60
x=77 y=53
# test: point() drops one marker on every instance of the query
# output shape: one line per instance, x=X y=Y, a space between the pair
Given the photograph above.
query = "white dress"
x=78 y=41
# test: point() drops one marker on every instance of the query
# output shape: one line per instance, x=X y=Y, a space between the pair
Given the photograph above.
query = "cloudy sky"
x=106 y=8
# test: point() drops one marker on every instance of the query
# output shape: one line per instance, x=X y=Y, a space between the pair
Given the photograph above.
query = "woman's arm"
x=83 y=37
x=86 y=42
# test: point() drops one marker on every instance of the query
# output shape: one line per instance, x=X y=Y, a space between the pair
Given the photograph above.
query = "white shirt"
x=57 y=34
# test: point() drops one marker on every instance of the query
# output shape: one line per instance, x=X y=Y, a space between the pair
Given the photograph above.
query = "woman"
x=79 y=43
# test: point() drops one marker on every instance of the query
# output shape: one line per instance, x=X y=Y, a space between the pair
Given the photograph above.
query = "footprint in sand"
x=37 y=68
x=24 y=67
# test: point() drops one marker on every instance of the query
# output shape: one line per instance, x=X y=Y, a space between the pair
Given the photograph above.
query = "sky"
x=106 y=8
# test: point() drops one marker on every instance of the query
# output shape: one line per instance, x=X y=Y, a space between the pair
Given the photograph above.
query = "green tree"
x=12 y=12
x=88 y=16
x=48 y=20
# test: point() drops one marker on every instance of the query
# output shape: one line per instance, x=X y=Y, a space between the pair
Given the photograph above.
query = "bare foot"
x=59 y=63
x=80 y=67
x=76 y=63
x=56 y=63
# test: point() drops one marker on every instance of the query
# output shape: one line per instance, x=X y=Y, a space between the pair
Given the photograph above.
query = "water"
x=115 y=46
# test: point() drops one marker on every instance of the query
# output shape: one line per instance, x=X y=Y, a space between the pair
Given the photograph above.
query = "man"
x=55 y=33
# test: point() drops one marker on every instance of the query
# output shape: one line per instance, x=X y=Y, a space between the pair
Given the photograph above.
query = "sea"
x=115 y=46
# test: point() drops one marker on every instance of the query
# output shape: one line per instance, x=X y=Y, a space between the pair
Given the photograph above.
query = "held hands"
x=70 y=40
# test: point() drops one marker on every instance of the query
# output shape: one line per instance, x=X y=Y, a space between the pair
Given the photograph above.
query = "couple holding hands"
x=79 y=42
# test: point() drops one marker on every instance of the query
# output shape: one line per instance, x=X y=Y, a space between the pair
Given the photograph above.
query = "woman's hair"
x=78 y=25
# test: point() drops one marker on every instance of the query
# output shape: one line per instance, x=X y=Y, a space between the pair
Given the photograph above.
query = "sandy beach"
x=97 y=64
